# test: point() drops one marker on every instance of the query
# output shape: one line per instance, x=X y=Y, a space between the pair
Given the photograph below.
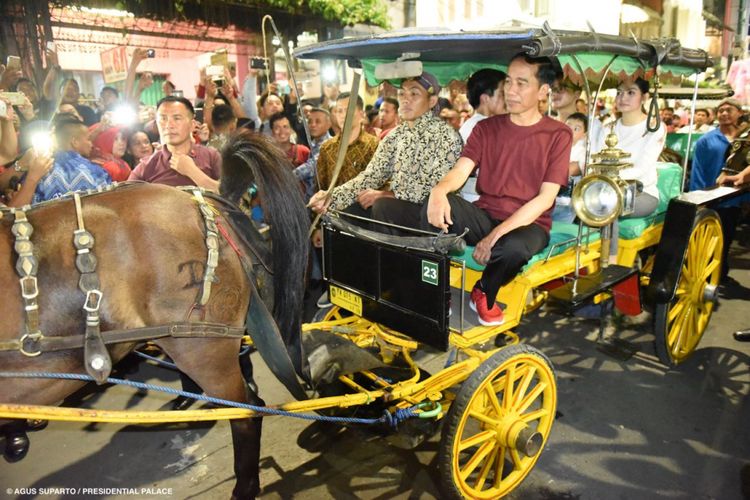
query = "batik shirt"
x=71 y=172
x=414 y=159
x=308 y=171
x=358 y=156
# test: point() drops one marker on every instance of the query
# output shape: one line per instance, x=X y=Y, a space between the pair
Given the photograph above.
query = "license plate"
x=346 y=300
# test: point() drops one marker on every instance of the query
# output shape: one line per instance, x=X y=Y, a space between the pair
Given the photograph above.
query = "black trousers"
x=390 y=210
x=508 y=255
x=730 y=217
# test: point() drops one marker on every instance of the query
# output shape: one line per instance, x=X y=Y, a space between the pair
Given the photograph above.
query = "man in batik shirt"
x=407 y=163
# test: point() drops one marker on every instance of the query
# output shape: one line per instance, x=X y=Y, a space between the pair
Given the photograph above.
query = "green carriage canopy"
x=451 y=55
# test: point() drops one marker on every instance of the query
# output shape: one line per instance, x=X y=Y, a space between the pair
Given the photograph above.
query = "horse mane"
x=249 y=158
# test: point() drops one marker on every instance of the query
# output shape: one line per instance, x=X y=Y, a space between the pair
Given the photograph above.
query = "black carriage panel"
x=404 y=289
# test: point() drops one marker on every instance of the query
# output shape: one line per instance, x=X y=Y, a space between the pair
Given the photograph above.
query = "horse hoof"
x=36 y=424
x=182 y=403
x=16 y=446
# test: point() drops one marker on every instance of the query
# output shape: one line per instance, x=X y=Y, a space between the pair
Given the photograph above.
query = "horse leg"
x=213 y=364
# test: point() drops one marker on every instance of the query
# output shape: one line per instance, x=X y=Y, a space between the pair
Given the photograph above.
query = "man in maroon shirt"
x=179 y=162
x=523 y=159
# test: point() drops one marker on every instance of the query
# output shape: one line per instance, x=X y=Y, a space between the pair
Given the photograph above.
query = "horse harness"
x=97 y=360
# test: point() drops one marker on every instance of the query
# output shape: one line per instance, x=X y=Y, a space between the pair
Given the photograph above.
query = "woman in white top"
x=633 y=137
x=644 y=148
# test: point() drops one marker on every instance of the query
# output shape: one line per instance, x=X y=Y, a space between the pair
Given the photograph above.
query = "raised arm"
x=8 y=138
x=37 y=167
x=228 y=90
x=49 y=90
x=130 y=93
x=250 y=97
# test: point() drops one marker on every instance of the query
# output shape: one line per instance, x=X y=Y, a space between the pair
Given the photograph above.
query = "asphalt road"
x=625 y=430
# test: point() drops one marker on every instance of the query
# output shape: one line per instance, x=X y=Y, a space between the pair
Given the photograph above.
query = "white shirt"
x=644 y=148
x=469 y=124
x=700 y=130
x=469 y=190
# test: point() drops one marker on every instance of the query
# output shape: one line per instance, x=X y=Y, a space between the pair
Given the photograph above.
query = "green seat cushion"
x=561 y=232
x=669 y=183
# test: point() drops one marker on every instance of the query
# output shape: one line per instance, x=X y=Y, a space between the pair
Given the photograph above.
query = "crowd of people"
x=421 y=156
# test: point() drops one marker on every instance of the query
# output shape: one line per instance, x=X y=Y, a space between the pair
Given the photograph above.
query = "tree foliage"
x=346 y=12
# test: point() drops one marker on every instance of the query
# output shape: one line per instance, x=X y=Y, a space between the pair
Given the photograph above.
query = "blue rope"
x=160 y=362
x=392 y=419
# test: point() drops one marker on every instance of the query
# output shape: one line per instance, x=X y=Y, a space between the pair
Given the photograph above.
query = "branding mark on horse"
x=196 y=270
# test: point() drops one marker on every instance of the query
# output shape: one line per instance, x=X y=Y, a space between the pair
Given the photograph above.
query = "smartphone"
x=15 y=98
x=151 y=53
x=14 y=63
x=258 y=63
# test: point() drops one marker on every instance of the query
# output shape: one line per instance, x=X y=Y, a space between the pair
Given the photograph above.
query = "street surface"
x=625 y=430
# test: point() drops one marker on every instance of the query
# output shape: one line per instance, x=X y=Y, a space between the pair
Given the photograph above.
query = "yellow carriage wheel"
x=679 y=324
x=498 y=424
x=330 y=313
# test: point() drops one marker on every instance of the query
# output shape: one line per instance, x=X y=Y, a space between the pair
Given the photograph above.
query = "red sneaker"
x=478 y=304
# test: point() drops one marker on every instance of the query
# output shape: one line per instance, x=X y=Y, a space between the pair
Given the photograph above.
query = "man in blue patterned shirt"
x=71 y=171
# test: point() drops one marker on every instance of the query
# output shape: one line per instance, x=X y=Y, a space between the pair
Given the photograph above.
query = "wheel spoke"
x=676 y=309
x=687 y=271
x=681 y=332
x=711 y=247
x=476 y=459
x=535 y=415
x=492 y=396
x=509 y=379
x=531 y=397
x=483 y=418
x=486 y=470
x=477 y=439
x=516 y=458
x=710 y=268
x=524 y=385
x=500 y=467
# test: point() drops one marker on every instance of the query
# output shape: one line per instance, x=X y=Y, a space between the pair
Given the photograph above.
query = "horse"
x=151 y=248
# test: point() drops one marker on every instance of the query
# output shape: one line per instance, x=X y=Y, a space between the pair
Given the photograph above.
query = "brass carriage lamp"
x=602 y=196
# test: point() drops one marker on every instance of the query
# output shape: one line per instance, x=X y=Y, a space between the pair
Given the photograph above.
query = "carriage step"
x=577 y=292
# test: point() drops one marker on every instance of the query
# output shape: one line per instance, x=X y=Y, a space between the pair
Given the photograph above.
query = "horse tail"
x=251 y=158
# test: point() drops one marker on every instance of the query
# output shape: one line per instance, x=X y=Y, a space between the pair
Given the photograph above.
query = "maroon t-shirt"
x=156 y=169
x=514 y=161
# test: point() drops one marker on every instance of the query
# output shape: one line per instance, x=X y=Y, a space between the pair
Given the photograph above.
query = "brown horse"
x=151 y=248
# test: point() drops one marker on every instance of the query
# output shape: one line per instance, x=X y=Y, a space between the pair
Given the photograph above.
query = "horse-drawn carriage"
x=495 y=398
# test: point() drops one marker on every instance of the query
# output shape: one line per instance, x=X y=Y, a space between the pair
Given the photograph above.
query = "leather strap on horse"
x=26 y=267
x=212 y=245
x=176 y=330
x=96 y=357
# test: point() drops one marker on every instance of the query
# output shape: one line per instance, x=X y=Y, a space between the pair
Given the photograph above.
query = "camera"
x=150 y=53
x=15 y=98
x=258 y=63
x=216 y=73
